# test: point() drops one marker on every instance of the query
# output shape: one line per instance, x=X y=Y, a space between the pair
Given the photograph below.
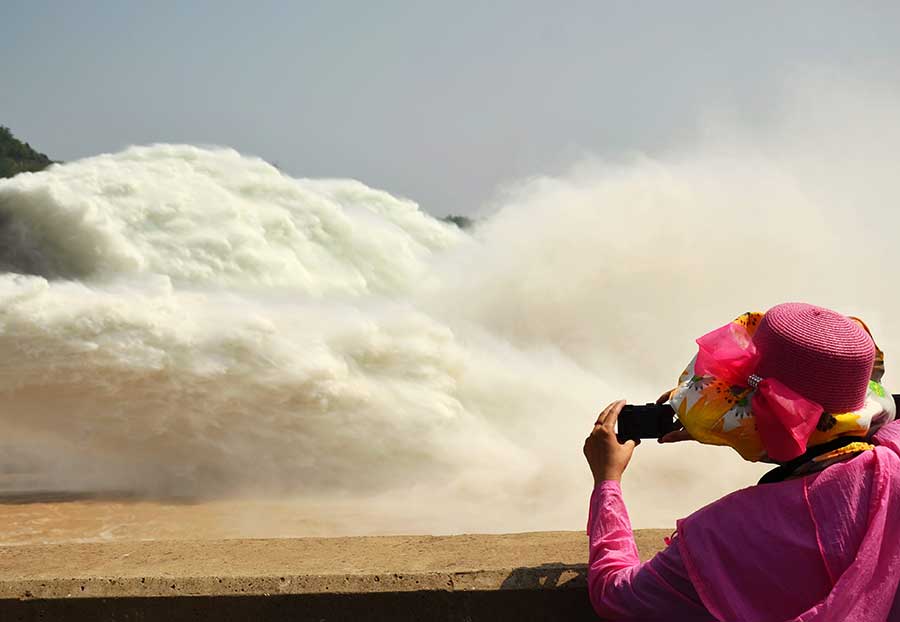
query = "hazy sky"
x=437 y=101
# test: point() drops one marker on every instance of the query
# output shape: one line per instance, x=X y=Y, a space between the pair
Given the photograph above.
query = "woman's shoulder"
x=749 y=506
x=889 y=436
x=767 y=527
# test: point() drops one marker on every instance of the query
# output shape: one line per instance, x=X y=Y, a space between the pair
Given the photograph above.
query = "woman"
x=819 y=538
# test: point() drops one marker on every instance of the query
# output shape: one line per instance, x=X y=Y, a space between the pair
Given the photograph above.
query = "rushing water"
x=239 y=352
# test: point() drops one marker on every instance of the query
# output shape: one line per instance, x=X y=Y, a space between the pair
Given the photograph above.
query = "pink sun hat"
x=772 y=384
x=822 y=355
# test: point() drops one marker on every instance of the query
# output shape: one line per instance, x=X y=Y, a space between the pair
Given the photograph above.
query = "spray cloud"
x=185 y=321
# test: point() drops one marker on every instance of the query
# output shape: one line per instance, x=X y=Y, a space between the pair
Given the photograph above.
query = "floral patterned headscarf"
x=716 y=412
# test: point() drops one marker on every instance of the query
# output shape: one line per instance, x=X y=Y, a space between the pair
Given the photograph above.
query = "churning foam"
x=185 y=321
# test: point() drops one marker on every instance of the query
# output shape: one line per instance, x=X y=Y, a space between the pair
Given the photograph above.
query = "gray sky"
x=437 y=101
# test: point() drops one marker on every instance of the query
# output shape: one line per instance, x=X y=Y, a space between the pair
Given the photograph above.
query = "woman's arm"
x=619 y=585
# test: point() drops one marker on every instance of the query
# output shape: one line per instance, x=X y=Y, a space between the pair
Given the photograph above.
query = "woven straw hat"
x=821 y=354
x=827 y=361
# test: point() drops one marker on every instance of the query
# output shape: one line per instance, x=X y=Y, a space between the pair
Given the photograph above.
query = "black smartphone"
x=647 y=421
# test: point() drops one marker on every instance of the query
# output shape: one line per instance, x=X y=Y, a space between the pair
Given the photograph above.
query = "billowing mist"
x=186 y=322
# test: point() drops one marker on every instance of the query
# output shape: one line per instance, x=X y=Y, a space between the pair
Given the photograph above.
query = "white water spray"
x=181 y=321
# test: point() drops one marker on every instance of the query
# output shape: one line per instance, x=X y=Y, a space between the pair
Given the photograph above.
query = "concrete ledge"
x=521 y=576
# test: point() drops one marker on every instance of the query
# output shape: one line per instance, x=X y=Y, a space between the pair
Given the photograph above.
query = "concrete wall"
x=536 y=576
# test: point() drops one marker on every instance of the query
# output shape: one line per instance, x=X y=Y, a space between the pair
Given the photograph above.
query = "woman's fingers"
x=601 y=418
x=612 y=413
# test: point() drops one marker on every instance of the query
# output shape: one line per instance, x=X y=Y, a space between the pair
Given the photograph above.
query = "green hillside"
x=463 y=222
x=18 y=157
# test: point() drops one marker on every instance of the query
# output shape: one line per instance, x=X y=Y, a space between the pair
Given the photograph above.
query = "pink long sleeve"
x=620 y=586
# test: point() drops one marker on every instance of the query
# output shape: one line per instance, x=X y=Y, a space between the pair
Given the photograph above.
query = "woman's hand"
x=678 y=435
x=605 y=455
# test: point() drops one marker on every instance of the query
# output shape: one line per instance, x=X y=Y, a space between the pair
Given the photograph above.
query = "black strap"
x=784 y=471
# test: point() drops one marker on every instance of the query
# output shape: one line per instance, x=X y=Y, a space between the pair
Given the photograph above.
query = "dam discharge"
x=178 y=321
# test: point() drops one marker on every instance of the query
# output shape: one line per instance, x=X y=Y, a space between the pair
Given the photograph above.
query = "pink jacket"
x=825 y=547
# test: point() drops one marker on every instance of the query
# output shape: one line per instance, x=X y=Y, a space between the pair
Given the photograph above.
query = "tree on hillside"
x=463 y=222
x=17 y=157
